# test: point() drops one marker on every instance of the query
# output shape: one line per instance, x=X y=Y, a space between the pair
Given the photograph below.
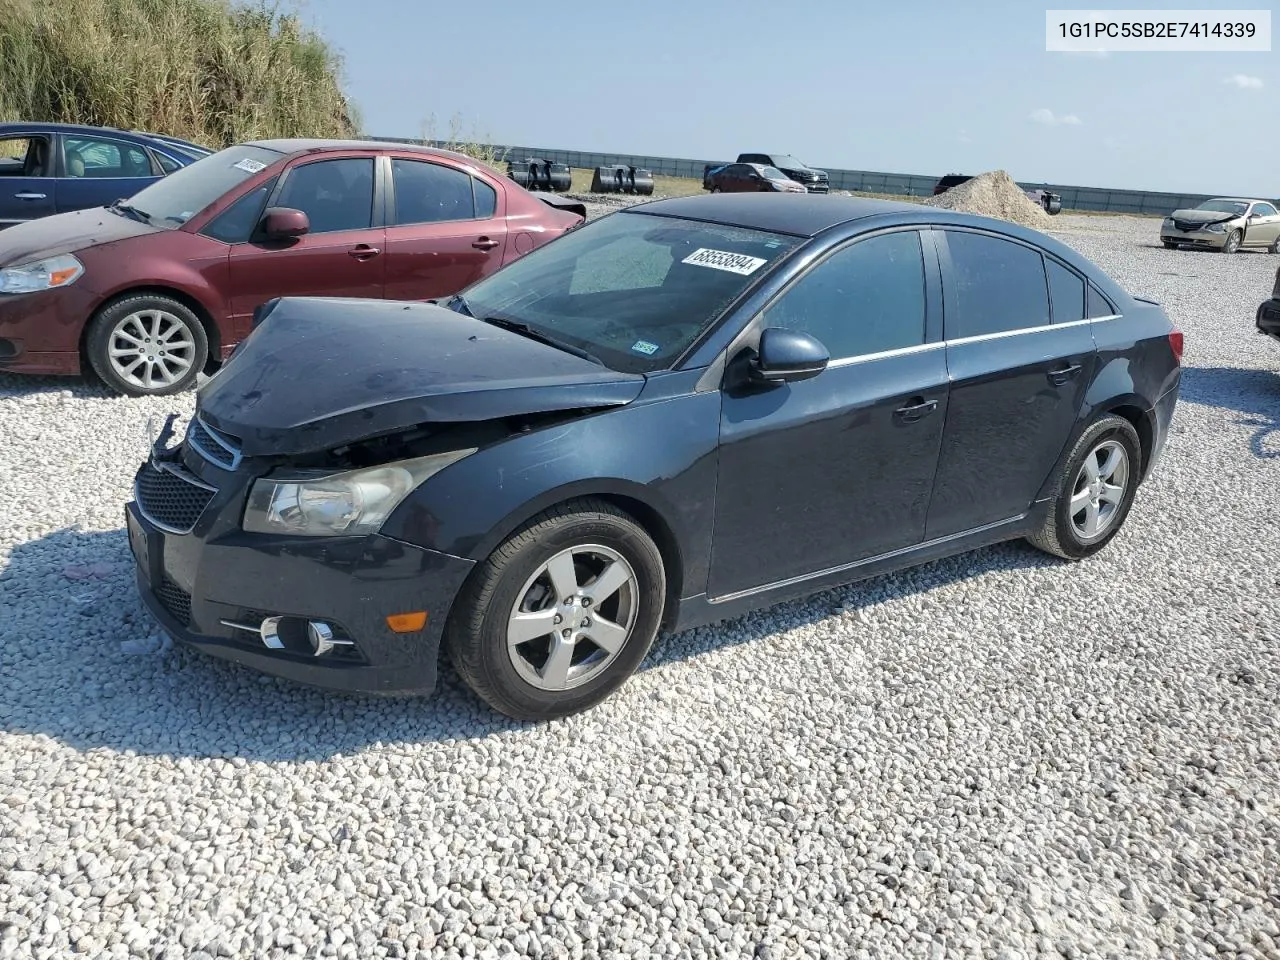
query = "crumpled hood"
x=66 y=233
x=318 y=373
x=1204 y=216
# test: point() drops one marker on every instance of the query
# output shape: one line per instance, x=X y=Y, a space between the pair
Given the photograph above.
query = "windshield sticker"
x=723 y=260
x=645 y=347
x=249 y=166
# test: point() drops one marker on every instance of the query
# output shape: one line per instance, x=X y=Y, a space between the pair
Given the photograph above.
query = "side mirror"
x=284 y=223
x=785 y=356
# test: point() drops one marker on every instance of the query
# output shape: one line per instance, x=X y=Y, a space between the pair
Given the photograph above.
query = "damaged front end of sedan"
x=329 y=417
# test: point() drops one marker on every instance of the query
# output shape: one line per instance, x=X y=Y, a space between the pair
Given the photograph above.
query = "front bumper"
x=196 y=584
x=1268 y=318
x=40 y=332
x=1194 y=238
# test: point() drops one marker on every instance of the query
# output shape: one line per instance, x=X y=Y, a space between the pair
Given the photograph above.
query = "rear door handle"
x=484 y=243
x=1062 y=374
x=362 y=251
x=918 y=408
x=29 y=196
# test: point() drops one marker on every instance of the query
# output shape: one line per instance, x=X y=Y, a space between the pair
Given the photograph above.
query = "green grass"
x=211 y=71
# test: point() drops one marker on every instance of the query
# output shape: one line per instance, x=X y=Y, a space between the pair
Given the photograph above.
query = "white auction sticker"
x=1151 y=31
x=249 y=166
x=724 y=260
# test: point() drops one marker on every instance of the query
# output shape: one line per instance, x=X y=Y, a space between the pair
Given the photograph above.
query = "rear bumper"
x=1163 y=413
x=195 y=587
x=1268 y=318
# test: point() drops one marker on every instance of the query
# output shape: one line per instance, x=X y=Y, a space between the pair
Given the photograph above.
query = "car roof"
x=300 y=145
x=804 y=215
x=42 y=127
x=1237 y=200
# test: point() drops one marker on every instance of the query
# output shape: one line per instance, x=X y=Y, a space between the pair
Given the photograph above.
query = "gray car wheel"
x=561 y=614
x=1234 y=239
x=147 y=345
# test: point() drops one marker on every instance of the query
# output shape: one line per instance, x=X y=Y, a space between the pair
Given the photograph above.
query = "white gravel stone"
x=996 y=755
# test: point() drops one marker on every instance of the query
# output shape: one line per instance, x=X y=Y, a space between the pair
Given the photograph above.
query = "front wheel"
x=561 y=614
x=715 y=189
x=1275 y=245
x=1093 y=492
x=147 y=345
x=1234 y=239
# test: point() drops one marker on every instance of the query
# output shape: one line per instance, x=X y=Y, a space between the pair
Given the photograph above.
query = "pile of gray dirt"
x=993 y=194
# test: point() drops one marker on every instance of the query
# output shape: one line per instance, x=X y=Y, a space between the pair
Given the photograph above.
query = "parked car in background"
x=1226 y=224
x=749 y=178
x=1050 y=202
x=1268 y=316
x=813 y=180
x=48 y=168
x=149 y=290
x=679 y=413
x=194 y=150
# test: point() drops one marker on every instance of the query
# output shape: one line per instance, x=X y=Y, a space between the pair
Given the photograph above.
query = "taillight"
x=1175 y=341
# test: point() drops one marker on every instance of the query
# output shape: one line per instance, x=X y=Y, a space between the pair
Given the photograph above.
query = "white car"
x=1227 y=224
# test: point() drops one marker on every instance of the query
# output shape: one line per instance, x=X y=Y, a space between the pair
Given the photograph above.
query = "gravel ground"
x=996 y=756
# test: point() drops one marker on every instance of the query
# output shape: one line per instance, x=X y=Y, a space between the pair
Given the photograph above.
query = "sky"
x=899 y=87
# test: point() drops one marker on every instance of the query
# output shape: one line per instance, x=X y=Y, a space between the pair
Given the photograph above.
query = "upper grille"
x=174 y=599
x=214 y=445
x=171 y=498
x=1187 y=226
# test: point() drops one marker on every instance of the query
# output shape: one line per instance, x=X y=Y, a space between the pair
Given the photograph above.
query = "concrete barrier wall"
x=864 y=181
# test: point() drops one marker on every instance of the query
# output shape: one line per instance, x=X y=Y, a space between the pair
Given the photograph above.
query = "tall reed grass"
x=213 y=71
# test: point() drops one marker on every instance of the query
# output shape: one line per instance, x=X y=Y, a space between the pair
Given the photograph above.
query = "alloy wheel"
x=1099 y=489
x=572 y=617
x=151 y=349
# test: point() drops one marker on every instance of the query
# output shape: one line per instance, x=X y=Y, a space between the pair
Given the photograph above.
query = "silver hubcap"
x=151 y=349
x=1233 y=241
x=573 y=617
x=1099 y=490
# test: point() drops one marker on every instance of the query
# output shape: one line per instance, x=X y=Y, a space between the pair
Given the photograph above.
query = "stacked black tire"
x=620 y=178
x=538 y=174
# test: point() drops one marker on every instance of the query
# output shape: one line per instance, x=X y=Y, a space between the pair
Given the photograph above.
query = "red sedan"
x=146 y=291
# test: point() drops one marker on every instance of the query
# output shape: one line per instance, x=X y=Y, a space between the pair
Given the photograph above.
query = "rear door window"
x=434 y=193
x=94 y=158
x=996 y=286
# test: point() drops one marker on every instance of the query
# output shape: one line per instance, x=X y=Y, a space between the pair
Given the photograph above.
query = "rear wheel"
x=1234 y=239
x=1093 y=492
x=715 y=189
x=561 y=614
x=147 y=345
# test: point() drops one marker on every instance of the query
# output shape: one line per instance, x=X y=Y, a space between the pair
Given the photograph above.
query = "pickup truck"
x=814 y=181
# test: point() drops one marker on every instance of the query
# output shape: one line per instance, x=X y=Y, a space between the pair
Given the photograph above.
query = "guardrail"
x=1100 y=199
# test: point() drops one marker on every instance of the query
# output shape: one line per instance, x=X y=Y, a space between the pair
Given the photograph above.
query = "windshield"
x=791 y=163
x=177 y=198
x=1224 y=206
x=632 y=289
x=773 y=173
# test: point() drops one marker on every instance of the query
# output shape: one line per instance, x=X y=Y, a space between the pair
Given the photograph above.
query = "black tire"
x=1275 y=245
x=99 y=343
x=1059 y=534
x=476 y=633
x=1234 y=239
x=715 y=189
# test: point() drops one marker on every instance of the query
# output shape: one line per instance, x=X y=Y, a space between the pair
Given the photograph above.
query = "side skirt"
x=701 y=610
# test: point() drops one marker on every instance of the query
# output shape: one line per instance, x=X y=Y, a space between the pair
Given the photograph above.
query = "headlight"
x=41 y=275
x=1215 y=227
x=1168 y=222
x=350 y=504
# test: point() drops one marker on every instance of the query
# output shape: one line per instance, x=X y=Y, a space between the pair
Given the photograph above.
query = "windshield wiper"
x=515 y=326
x=134 y=212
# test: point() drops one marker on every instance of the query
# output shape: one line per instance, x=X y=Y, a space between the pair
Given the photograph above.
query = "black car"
x=1267 y=318
x=814 y=181
x=678 y=413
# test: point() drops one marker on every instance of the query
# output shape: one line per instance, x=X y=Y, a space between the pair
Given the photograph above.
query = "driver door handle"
x=362 y=251
x=484 y=243
x=1061 y=375
x=29 y=196
x=917 y=408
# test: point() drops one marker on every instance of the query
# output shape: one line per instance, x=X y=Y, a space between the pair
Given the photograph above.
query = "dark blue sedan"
x=48 y=168
x=678 y=413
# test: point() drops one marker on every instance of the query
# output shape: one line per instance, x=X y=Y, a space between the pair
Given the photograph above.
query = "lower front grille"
x=171 y=498
x=175 y=600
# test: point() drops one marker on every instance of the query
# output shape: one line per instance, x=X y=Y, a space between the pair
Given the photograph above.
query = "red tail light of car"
x=1175 y=341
